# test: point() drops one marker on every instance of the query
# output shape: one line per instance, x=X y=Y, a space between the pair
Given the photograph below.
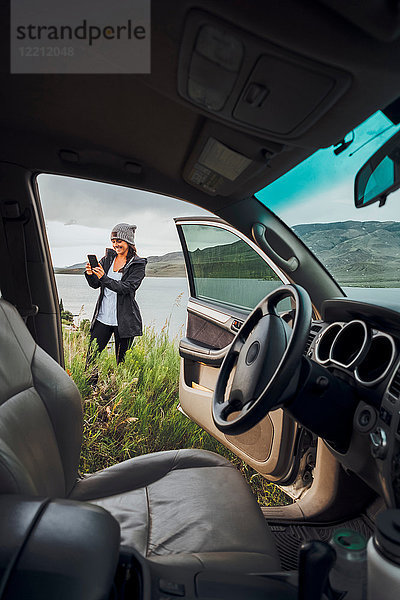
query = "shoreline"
x=150 y=276
x=179 y=275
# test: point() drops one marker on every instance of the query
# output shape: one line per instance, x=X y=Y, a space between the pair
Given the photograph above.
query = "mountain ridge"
x=365 y=253
x=166 y=265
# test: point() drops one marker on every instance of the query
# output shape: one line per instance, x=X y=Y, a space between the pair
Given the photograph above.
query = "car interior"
x=238 y=95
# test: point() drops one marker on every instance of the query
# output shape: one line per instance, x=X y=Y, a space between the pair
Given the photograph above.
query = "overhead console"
x=247 y=81
x=222 y=161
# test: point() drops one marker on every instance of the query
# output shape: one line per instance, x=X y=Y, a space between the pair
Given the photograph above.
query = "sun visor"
x=248 y=81
x=381 y=20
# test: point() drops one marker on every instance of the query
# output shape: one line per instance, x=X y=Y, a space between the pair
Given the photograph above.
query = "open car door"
x=228 y=275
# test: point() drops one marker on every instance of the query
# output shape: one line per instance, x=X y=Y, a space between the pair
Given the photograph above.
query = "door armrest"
x=192 y=350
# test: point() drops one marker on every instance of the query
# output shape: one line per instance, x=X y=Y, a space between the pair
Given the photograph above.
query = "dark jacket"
x=128 y=313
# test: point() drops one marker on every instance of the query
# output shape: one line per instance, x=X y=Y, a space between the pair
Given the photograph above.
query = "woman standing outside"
x=118 y=275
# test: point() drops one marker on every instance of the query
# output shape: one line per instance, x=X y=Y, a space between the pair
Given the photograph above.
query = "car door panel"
x=264 y=447
x=212 y=324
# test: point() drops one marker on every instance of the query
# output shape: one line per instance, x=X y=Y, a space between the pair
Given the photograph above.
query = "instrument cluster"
x=356 y=347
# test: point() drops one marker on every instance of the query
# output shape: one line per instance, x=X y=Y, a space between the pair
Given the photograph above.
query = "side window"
x=225 y=268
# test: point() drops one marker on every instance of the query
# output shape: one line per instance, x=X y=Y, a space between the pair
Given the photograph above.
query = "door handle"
x=259 y=232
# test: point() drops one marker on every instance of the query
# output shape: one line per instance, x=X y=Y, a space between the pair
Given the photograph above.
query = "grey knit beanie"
x=124 y=231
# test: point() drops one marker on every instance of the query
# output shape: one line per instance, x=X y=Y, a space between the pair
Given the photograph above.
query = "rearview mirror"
x=380 y=175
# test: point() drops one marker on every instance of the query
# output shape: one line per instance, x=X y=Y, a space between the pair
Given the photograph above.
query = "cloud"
x=336 y=203
x=80 y=215
x=91 y=209
x=95 y=204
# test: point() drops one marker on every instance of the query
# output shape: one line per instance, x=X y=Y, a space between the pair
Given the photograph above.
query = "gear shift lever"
x=315 y=562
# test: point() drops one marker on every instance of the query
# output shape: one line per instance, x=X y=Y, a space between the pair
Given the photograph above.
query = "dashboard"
x=359 y=344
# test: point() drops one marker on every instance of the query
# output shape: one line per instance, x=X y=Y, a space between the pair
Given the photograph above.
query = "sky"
x=80 y=214
x=321 y=189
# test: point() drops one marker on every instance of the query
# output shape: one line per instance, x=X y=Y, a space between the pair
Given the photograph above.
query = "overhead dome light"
x=214 y=67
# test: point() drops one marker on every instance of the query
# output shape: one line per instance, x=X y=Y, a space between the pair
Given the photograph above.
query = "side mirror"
x=380 y=175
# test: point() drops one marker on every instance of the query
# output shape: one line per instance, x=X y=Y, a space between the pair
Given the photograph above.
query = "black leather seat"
x=189 y=504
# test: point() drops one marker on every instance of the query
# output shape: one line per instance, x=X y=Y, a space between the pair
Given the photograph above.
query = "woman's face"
x=120 y=246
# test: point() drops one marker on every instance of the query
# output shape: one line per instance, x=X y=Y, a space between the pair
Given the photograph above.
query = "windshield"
x=359 y=247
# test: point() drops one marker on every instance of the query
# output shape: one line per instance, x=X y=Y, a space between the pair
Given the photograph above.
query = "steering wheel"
x=267 y=354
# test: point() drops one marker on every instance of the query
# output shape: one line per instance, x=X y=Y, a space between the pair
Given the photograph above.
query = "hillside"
x=356 y=253
x=168 y=265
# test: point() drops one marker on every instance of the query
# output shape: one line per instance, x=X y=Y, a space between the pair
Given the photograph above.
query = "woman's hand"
x=88 y=269
x=99 y=271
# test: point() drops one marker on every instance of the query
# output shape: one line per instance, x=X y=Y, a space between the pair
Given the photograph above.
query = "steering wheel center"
x=253 y=352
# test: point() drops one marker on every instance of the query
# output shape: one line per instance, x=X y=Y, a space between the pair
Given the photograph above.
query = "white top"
x=108 y=308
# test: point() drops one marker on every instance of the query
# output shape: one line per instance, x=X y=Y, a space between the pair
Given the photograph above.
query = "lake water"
x=161 y=299
x=164 y=299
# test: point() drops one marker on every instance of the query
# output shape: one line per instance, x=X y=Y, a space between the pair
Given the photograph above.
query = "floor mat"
x=288 y=538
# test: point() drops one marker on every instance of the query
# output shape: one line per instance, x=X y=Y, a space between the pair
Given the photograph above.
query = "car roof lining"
x=142 y=118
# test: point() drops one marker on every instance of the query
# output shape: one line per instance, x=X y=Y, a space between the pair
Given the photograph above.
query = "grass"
x=133 y=409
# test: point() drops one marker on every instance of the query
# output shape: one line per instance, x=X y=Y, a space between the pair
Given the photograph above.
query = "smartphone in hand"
x=92 y=258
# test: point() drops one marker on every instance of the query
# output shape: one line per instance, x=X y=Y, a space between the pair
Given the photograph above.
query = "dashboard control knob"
x=365 y=418
x=378 y=443
x=321 y=384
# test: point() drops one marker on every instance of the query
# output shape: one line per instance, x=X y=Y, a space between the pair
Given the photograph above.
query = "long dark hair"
x=131 y=252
